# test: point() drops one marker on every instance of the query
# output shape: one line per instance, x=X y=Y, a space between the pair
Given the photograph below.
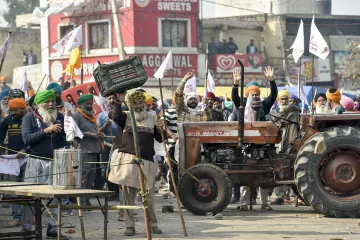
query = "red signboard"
x=182 y=63
x=225 y=63
x=184 y=6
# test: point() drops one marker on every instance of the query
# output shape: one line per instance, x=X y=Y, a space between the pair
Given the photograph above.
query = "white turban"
x=191 y=95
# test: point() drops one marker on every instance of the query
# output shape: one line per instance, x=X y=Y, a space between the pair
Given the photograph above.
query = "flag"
x=303 y=96
x=71 y=41
x=318 y=45
x=166 y=65
x=74 y=62
x=190 y=85
x=210 y=86
x=298 y=45
x=358 y=46
x=4 y=47
x=24 y=83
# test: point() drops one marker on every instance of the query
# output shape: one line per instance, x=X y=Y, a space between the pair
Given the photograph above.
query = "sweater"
x=147 y=132
x=13 y=128
x=36 y=141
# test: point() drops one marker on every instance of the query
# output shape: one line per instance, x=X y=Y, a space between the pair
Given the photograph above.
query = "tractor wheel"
x=329 y=180
x=212 y=196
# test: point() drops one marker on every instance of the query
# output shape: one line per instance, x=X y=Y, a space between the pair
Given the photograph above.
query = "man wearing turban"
x=11 y=126
x=60 y=105
x=91 y=144
x=252 y=93
x=42 y=132
x=188 y=106
x=4 y=101
x=333 y=96
x=210 y=100
x=321 y=104
x=287 y=119
x=126 y=174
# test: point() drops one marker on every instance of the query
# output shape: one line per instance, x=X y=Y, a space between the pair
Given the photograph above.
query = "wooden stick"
x=172 y=83
x=40 y=84
x=141 y=174
x=170 y=164
x=81 y=218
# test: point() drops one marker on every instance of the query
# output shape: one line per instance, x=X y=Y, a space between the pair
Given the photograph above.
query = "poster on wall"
x=339 y=56
x=321 y=68
x=227 y=63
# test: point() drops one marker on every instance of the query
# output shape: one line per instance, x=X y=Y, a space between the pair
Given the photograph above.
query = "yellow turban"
x=148 y=99
x=334 y=95
x=135 y=96
x=283 y=93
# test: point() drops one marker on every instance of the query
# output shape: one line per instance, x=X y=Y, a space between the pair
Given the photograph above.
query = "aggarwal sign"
x=225 y=63
x=182 y=64
x=168 y=5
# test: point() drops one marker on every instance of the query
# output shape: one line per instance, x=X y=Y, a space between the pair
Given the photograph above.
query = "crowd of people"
x=36 y=126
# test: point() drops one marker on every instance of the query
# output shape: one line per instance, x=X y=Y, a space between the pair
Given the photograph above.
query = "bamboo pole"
x=40 y=84
x=80 y=218
x=170 y=163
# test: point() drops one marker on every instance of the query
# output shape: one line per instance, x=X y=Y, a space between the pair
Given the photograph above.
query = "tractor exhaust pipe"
x=241 y=109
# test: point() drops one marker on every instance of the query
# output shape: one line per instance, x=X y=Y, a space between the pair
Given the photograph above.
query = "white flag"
x=358 y=46
x=166 y=65
x=298 y=45
x=190 y=85
x=72 y=40
x=303 y=96
x=24 y=84
x=318 y=45
x=4 y=47
x=210 y=84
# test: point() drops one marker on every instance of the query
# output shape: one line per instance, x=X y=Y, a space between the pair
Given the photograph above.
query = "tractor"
x=323 y=167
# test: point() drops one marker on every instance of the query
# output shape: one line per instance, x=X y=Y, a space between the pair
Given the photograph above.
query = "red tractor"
x=323 y=167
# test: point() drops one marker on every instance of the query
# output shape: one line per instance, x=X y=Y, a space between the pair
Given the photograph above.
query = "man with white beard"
x=126 y=174
x=321 y=104
x=4 y=101
x=42 y=133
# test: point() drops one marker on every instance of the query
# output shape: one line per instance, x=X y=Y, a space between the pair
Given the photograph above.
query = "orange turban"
x=252 y=87
x=17 y=103
x=3 y=79
x=148 y=99
x=334 y=95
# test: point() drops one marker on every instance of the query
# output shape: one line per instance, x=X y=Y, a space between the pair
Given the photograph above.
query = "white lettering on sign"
x=88 y=68
x=172 y=6
x=156 y=60
x=230 y=133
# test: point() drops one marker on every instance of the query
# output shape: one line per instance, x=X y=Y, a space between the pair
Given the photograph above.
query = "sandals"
x=266 y=208
x=243 y=208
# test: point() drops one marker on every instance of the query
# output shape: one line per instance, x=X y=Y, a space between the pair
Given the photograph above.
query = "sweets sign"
x=170 y=5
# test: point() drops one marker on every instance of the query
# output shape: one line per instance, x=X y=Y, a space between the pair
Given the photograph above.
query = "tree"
x=18 y=7
x=350 y=64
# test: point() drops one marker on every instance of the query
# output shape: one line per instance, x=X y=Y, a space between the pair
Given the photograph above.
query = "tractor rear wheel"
x=212 y=196
x=329 y=180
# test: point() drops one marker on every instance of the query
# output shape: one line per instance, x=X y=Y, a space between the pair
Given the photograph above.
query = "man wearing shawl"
x=42 y=133
x=188 y=106
x=12 y=126
x=210 y=100
x=126 y=174
x=91 y=145
x=333 y=96
x=252 y=93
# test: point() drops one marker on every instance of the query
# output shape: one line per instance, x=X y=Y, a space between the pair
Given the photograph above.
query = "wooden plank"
x=48 y=191
x=14 y=184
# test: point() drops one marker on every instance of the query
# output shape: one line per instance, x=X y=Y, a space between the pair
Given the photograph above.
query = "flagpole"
x=172 y=83
x=299 y=75
x=40 y=84
x=312 y=79
x=207 y=68
x=82 y=69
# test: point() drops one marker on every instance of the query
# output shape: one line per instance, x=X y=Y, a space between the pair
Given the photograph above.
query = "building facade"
x=150 y=29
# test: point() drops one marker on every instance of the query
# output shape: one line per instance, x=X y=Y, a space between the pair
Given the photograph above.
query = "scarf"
x=93 y=120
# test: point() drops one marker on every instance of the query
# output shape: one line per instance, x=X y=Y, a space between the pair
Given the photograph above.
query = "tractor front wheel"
x=329 y=179
x=211 y=195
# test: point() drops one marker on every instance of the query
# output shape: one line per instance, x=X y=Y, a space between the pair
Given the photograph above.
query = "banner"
x=227 y=63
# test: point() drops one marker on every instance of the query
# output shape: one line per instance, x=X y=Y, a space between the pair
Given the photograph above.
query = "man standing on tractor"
x=334 y=96
x=252 y=93
x=188 y=106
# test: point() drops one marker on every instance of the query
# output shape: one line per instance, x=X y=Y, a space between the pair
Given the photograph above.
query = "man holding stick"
x=123 y=172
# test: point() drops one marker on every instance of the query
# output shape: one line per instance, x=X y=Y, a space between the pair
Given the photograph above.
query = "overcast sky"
x=3 y=8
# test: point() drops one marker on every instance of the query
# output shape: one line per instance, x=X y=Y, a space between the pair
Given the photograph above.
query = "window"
x=98 y=35
x=63 y=30
x=174 y=33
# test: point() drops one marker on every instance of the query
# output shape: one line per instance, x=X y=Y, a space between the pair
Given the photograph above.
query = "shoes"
x=234 y=200
x=52 y=233
x=14 y=223
x=278 y=201
x=266 y=207
x=130 y=231
x=243 y=208
x=156 y=230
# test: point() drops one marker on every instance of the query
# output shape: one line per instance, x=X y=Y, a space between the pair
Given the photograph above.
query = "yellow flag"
x=74 y=61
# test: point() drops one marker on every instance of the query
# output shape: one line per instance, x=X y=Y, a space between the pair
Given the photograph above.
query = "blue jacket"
x=39 y=143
